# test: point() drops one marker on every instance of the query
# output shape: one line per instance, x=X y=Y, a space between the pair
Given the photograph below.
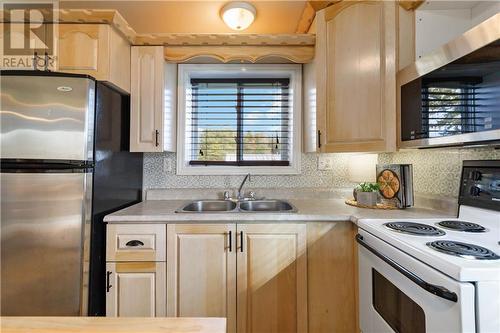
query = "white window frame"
x=188 y=71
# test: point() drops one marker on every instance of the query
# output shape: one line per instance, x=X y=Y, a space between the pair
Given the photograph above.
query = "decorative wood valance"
x=225 y=39
x=253 y=54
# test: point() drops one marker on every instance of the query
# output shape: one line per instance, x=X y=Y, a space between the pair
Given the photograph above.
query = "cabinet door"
x=358 y=51
x=272 y=278
x=147 y=80
x=84 y=49
x=201 y=269
x=136 y=289
x=332 y=277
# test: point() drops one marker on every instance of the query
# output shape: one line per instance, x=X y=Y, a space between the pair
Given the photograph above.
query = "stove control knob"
x=475 y=191
x=476 y=175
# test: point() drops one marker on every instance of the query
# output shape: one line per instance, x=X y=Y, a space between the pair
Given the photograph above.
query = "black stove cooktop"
x=464 y=250
x=413 y=228
x=461 y=226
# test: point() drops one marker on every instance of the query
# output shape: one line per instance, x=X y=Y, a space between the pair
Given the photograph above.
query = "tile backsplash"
x=436 y=171
x=159 y=172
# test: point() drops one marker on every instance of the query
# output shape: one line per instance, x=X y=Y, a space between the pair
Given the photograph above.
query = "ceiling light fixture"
x=238 y=15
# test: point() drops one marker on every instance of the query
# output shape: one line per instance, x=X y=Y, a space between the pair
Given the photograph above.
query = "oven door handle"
x=432 y=288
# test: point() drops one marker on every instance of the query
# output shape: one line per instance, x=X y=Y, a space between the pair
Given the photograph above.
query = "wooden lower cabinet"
x=263 y=277
x=253 y=274
x=201 y=270
x=136 y=289
x=272 y=278
x=332 y=277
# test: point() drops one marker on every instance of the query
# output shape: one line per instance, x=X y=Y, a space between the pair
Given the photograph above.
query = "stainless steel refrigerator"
x=65 y=164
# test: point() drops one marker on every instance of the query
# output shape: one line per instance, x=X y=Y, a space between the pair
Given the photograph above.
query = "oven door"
x=401 y=294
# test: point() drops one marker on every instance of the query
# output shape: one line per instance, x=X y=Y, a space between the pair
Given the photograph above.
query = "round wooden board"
x=354 y=203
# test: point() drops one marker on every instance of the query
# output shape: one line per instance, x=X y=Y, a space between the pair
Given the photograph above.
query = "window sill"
x=213 y=170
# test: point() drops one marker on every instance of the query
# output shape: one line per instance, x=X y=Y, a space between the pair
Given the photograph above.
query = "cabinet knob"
x=157 y=138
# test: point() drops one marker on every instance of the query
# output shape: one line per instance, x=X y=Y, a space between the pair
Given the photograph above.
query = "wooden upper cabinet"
x=355 y=76
x=272 y=278
x=201 y=268
x=147 y=99
x=94 y=49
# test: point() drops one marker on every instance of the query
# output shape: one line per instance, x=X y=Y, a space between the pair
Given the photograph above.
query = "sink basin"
x=200 y=206
x=251 y=206
x=266 y=206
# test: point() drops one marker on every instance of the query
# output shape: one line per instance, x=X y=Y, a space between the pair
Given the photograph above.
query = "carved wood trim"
x=253 y=54
x=226 y=39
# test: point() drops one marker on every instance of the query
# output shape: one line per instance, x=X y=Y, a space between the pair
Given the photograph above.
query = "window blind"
x=242 y=122
x=449 y=109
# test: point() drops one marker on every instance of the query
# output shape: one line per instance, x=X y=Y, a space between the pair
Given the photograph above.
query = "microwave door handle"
x=432 y=288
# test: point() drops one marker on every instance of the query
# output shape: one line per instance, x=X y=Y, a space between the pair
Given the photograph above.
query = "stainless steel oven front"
x=398 y=293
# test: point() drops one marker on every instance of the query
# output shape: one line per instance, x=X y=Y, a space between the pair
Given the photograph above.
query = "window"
x=239 y=121
x=395 y=307
x=236 y=119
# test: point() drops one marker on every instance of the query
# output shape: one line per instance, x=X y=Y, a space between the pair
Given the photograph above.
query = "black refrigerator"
x=65 y=164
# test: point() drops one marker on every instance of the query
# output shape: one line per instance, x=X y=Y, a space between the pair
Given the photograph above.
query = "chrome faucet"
x=247 y=177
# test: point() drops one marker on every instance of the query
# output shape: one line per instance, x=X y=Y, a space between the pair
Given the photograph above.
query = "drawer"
x=136 y=242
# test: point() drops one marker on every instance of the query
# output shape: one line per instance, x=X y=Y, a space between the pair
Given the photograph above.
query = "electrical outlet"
x=325 y=162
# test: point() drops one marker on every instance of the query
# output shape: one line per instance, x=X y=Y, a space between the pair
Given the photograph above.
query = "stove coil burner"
x=462 y=226
x=413 y=228
x=464 y=250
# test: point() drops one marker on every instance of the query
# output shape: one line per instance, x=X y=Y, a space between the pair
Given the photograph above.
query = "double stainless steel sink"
x=248 y=206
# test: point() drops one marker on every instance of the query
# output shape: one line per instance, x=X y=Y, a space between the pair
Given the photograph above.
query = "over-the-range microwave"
x=452 y=96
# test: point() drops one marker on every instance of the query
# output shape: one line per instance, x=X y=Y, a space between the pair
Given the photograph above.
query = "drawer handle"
x=134 y=242
x=241 y=241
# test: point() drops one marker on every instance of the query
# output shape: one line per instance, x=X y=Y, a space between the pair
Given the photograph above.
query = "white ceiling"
x=446 y=4
x=197 y=16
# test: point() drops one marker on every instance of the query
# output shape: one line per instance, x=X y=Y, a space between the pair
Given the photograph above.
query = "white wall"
x=438 y=22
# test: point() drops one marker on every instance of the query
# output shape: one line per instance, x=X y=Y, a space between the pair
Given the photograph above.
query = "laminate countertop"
x=111 y=325
x=308 y=210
